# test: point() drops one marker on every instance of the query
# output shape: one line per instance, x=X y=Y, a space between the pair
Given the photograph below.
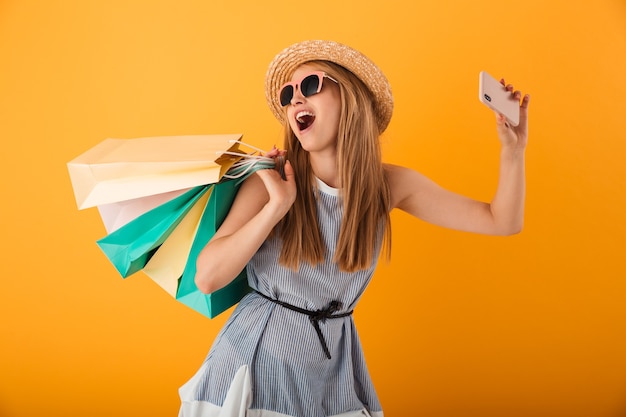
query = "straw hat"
x=285 y=63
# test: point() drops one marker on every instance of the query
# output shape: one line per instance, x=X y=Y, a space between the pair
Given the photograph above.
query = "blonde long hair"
x=365 y=190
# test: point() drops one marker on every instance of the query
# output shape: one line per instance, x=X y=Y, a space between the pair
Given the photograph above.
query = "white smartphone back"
x=494 y=95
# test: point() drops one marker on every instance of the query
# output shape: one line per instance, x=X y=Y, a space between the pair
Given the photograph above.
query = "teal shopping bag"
x=220 y=201
x=131 y=246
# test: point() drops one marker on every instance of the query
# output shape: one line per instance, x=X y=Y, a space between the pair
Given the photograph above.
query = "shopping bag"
x=116 y=215
x=161 y=229
x=123 y=169
x=218 y=205
x=167 y=264
x=131 y=246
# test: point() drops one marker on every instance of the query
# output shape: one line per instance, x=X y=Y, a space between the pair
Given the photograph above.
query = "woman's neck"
x=325 y=168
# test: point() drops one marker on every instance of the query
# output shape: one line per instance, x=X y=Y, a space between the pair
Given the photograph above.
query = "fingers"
x=269 y=175
x=523 y=111
x=274 y=152
x=282 y=193
x=274 y=175
x=501 y=120
x=509 y=87
x=271 y=179
x=289 y=174
x=516 y=94
x=525 y=101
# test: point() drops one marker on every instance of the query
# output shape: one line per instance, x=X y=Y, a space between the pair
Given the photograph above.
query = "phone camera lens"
x=487 y=97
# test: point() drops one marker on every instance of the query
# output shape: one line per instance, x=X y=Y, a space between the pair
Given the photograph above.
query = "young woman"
x=310 y=241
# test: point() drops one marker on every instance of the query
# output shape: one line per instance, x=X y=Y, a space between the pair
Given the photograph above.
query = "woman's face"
x=315 y=119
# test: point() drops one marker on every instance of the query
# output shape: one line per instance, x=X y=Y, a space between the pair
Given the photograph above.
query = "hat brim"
x=286 y=62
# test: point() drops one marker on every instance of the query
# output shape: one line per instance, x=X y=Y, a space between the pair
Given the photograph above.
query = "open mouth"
x=304 y=119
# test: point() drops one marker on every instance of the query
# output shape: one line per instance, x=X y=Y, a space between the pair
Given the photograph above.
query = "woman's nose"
x=297 y=96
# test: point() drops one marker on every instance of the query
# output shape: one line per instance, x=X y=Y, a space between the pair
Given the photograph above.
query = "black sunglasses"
x=310 y=85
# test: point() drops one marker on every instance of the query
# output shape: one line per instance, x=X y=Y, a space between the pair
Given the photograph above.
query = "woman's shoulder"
x=250 y=199
x=392 y=169
x=393 y=175
x=251 y=196
x=253 y=187
x=402 y=182
x=396 y=175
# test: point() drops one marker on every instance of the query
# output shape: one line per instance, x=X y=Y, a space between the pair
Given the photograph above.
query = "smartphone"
x=494 y=95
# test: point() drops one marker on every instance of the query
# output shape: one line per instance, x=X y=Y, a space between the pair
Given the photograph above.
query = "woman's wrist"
x=512 y=150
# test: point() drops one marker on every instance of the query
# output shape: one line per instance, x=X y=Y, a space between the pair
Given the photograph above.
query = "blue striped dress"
x=268 y=360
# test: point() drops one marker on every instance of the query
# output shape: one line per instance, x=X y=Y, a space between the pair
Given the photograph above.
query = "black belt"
x=315 y=316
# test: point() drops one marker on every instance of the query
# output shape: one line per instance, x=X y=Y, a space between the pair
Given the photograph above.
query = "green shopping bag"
x=220 y=201
x=131 y=246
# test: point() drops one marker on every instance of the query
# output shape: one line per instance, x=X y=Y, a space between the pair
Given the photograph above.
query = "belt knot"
x=326 y=313
x=316 y=316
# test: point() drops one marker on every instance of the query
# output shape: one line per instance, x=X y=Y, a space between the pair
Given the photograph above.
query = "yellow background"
x=456 y=325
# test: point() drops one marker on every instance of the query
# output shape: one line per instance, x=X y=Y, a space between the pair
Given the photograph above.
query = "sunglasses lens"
x=310 y=85
x=286 y=94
